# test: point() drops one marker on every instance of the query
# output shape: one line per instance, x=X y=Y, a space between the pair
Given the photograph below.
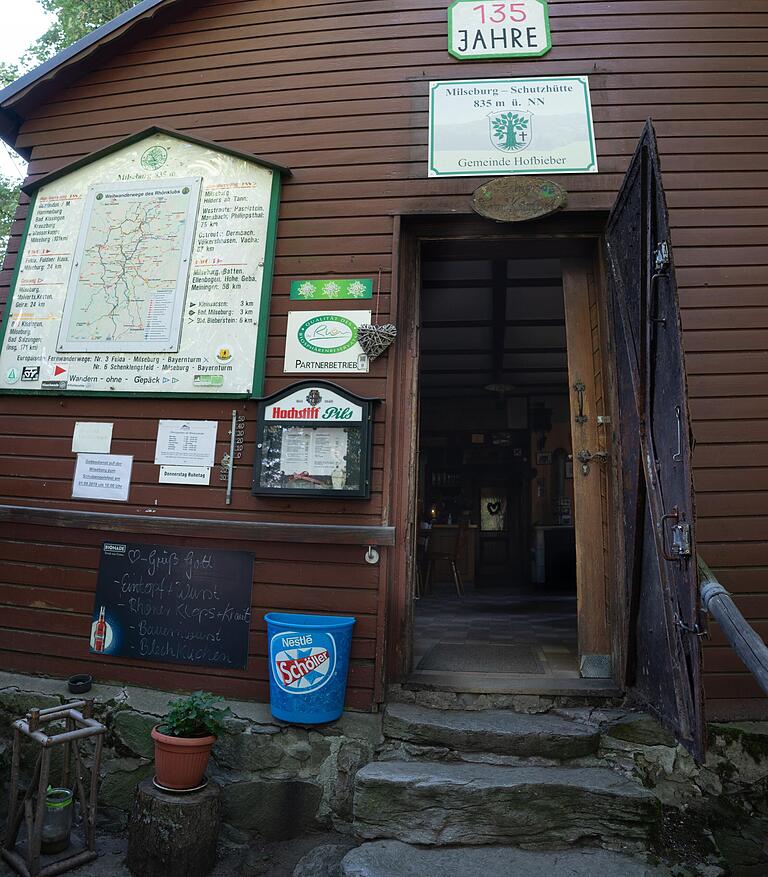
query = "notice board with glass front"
x=313 y=439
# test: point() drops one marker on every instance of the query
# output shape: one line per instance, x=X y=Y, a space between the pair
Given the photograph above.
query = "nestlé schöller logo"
x=329 y=333
x=302 y=662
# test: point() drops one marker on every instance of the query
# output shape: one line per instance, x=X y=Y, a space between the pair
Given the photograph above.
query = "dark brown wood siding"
x=338 y=92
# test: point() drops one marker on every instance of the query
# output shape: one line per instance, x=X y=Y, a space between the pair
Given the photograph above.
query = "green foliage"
x=73 y=19
x=195 y=716
x=9 y=197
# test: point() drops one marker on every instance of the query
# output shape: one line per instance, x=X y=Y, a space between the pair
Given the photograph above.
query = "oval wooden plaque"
x=516 y=199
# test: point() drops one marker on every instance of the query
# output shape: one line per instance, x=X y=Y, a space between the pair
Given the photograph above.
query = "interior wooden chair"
x=448 y=547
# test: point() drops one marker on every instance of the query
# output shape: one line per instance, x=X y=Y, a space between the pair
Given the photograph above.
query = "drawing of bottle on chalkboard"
x=101 y=633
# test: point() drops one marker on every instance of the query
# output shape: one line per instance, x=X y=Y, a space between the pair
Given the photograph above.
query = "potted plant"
x=183 y=740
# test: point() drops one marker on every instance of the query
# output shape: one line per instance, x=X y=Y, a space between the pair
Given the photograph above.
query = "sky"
x=18 y=30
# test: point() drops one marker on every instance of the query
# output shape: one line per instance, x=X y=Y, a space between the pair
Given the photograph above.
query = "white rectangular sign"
x=325 y=341
x=500 y=127
x=186 y=442
x=92 y=438
x=102 y=476
x=185 y=475
x=480 y=29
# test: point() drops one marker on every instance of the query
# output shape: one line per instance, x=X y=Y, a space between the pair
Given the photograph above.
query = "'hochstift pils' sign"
x=497 y=127
x=498 y=30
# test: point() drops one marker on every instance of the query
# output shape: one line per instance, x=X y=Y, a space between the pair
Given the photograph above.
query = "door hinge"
x=661 y=257
x=699 y=630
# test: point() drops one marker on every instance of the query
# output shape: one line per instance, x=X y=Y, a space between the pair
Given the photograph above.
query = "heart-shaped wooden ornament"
x=376 y=339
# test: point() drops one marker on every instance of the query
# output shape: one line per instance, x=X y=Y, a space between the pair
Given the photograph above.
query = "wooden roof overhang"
x=37 y=86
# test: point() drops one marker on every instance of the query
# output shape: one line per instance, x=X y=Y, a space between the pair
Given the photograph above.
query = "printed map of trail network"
x=132 y=260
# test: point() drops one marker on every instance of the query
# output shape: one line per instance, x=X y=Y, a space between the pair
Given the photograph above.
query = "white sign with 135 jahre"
x=479 y=30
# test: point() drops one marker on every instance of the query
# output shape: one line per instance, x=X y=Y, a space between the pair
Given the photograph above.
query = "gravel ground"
x=275 y=859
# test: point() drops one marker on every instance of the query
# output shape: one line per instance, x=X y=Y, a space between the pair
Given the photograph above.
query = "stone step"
x=392 y=858
x=503 y=732
x=437 y=803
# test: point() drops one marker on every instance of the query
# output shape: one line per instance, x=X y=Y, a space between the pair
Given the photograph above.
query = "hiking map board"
x=146 y=269
x=173 y=604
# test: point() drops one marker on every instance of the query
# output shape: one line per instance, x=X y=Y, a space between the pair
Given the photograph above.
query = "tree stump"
x=173 y=835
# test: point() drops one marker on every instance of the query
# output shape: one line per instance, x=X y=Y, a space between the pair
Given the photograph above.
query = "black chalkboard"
x=181 y=605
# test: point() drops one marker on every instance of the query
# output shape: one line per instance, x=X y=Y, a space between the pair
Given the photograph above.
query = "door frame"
x=579 y=235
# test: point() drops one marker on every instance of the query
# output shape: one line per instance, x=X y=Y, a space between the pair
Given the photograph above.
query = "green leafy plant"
x=195 y=716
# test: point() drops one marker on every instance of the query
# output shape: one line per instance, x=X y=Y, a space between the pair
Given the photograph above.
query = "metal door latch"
x=585 y=457
x=681 y=536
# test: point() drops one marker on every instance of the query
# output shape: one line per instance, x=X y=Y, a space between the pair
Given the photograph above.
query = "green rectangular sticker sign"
x=325 y=288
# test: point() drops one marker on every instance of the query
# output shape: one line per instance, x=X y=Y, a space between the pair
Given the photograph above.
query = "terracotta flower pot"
x=180 y=762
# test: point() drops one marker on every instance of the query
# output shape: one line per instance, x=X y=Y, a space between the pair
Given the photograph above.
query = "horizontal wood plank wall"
x=338 y=92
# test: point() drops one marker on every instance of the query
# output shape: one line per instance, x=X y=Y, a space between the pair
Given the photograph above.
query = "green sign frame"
x=463 y=56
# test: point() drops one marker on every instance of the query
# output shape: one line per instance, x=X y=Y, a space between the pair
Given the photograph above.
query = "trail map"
x=127 y=288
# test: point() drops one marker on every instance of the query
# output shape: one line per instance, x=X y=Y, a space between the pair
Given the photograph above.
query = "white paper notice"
x=314 y=451
x=185 y=475
x=102 y=476
x=186 y=442
x=92 y=438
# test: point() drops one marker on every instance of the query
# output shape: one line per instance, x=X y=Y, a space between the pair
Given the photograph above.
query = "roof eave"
x=51 y=70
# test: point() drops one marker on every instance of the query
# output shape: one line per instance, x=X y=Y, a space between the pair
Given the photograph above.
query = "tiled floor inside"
x=484 y=619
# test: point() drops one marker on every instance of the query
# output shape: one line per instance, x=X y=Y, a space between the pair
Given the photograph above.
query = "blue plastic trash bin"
x=308 y=664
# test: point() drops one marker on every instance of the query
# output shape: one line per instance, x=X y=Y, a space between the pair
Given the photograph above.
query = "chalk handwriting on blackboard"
x=181 y=605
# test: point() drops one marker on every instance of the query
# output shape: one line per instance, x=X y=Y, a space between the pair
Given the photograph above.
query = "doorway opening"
x=496 y=587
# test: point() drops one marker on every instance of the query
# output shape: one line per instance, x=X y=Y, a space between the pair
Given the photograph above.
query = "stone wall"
x=279 y=780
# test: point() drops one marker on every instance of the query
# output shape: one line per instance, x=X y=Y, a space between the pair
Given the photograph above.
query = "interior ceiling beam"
x=499 y=271
x=509 y=283
x=475 y=351
x=485 y=371
x=486 y=324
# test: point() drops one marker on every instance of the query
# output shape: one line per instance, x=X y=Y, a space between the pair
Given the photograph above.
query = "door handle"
x=681 y=536
x=579 y=386
x=585 y=458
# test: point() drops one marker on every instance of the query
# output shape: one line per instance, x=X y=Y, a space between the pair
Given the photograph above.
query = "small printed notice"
x=313 y=451
x=185 y=475
x=500 y=127
x=92 y=438
x=102 y=476
x=186 y=443
x=173 y=604
x=325 y=341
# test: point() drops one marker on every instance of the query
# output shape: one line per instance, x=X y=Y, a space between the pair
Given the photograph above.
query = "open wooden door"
x=664 y=650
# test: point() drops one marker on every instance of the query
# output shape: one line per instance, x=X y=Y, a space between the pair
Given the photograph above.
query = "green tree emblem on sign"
x=510 y=131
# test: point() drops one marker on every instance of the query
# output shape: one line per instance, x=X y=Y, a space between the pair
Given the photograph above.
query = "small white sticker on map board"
x=102 y=476
x=185 y=475
x=186 y=442
x=92 y=438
